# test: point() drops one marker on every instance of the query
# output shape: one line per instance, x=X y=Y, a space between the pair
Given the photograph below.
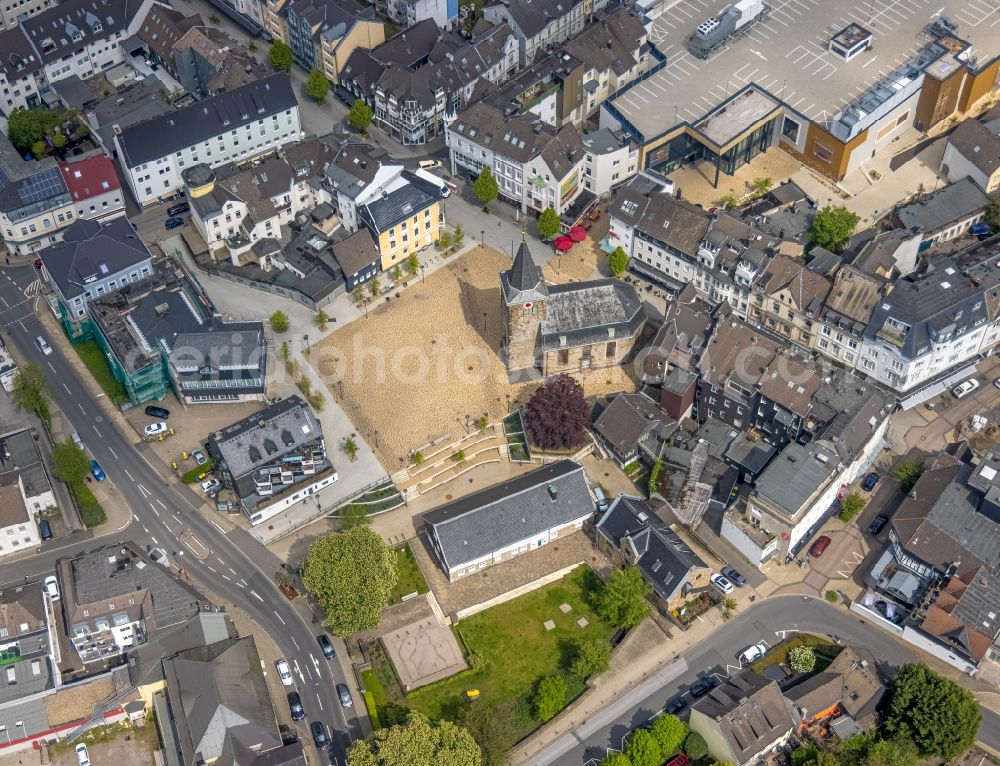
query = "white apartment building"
x=75 y=37
x=610 y=160
x=539 y=23
x=236 y=125
x=12 y=11
x=94 y=188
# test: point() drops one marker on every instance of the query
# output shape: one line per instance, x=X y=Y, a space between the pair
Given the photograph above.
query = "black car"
x=676 y=705
x=326 y=646
x=877 y=523
x=173 y=223
x=181 y=207
x=158 y=412
x=295 y=705
x=319 y=735
x=703 y=687
x=345 y=695
x=869 y=482
x=45 y=530
x=733 y=576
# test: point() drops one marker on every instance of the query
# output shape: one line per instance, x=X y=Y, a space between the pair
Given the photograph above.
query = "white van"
x=43 y=346
x=430 y=165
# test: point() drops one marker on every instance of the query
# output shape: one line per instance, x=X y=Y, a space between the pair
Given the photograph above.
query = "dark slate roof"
x=750 y=711
x=404 y=202
x=218 y=114
x=629 y=418
x=532 y=16
x=664 y=559
x=610 y=43
x=582 y=313
x=357 y=252
x=944 y=207
x=677 y=224
x=941 y=300
x=795 y=475
x=979 y=143
x=851 y=680
x=494 y=518
x=327 y=18
x=523 y=283
x=139 y=102
x=92 y=250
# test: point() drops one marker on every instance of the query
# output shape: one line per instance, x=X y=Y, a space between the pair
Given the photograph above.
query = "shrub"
x=279 y=321
x=695 y=746
x=549 y=698
x=802 y=659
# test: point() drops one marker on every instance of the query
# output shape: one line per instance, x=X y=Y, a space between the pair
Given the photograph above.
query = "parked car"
x=703 y=687
x=869 y=482
x=211 y=486
x=284 y=672
x=96 y=471
x=199 y=457
x=326 y=646
x=679 y=760
x=430 y=165
x=155 y=429
x=965 y=388
x=52 y=588
x=721 y=583
x=43 y=345
x=319 y=735
x=890 y=612
x=877 y=523
x=159 y=556
x=157 y=412
x=345 y=695
x=752 y=654
x=173 y=223
x=44 y=530
x=676 y=705
x=996 y=382
x=295 y=706
x=819 y=546
x=601 y=498
x=82 y=756
x=179 y=208
x=76 y=439
x=733 y=576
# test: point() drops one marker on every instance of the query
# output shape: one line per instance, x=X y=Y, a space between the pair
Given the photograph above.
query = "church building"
x=566 y=328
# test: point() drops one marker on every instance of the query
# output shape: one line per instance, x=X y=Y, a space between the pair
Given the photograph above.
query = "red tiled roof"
x=89 y=177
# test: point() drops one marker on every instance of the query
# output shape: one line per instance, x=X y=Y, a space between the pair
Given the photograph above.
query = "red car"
x=680 y=760
x=819 y=546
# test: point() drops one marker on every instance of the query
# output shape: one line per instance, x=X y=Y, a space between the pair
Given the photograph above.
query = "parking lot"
x=786 y=54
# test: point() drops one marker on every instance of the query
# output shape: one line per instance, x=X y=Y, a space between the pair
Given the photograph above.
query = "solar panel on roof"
x=43 y=185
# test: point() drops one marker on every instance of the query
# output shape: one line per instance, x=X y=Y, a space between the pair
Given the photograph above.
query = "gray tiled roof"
x=384 y=212
x=795 y=476
x=532 y=16
x=494 y=518
x=979 y=143
x=193 y=124
x=357 y=252
x=92 y=250
x=592 y=307
x=951 y=204
x=629 y=418
x=522 y=282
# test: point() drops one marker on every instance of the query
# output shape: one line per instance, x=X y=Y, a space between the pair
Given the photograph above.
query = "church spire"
x=523 y=282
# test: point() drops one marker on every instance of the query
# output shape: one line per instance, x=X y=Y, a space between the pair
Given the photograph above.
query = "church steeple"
x=522 y=283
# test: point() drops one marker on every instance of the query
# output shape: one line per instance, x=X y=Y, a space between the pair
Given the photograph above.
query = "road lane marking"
x=99 y=434
x=145 y=492
x=319 y=701
x=67 y=389
x=155 y=541
x=48 y=363
x=113 y=453
x=253 y=593
x=160 y=502
x=278 y=616
x=130 y=476
x=227 y=577
x=232 y=570
x=296 y=644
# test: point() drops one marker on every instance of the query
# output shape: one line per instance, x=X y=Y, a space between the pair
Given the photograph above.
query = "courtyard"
x=423 y=366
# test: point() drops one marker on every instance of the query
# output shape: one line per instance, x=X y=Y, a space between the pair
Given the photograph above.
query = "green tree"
x=616 y=759
x=459 y=457
x=493 y=727
x=59 y=141
x=852 y=504
x=358 y=295
x=643 y=749
x=853 y=751
x=549 y=698
x=898 y=751
x=252 y=47
x=548 y=223
x=802 y=659
x=695 y=746
x=69 y=463
x=350 y=447
x=444 y=241
x=936 y=714
x=27 y=127
x=729 y=201
x=907 y=473
x=591 y=656
x=618 y=262
x=374 y=286
x=39 y=149
x=458 y=236
x=321 y=318
x=417 y=741
x=652 y=484
x=832 y=227
x=669 y=732
x=486 y=187
x=317 y=86
x=280 y=56
x=992 y=216
x=31 y=392
x=762 y=186
x=418 y=458
x=214 y=18
x=279 y=321
x=804 y=755
x=622 y=599
x=413 y=263
x=360 y=116
x=482 y=422
x=351 y=575
x=396 y=273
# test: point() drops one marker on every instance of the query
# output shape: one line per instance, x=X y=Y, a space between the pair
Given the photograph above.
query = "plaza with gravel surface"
x=424 y=366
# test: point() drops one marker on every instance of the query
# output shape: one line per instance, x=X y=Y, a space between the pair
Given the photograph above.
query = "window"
x=612 y=347
x=564 y=357
x=790 y=130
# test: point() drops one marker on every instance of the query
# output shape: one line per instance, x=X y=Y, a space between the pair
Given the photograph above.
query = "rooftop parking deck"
x=787 y=54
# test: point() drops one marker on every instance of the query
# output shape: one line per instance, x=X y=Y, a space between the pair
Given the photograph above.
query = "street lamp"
x=422 y=278
x=482 y=237
x=306 y=338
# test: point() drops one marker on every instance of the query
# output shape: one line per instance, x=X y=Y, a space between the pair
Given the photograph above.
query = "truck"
x=735 y=20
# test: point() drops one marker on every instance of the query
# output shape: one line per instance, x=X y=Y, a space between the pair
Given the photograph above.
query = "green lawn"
x=197 y=473
x=92 y=356
x=519 y=650
x=410 y=578
x=778 y=655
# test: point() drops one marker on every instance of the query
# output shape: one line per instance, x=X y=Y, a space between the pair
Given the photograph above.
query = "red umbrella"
x=562 y=243
x=578 y=234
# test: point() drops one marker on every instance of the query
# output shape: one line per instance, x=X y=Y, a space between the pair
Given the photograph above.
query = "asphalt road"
x=166 y=515
x=770 y=622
